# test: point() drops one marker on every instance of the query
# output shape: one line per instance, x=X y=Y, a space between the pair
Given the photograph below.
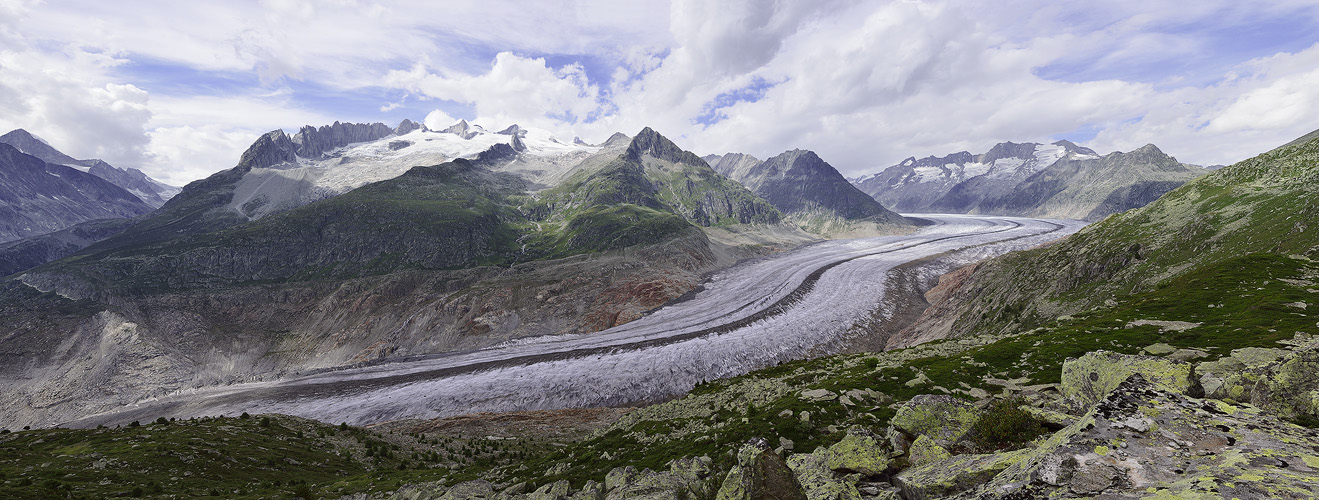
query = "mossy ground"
x=257 y=457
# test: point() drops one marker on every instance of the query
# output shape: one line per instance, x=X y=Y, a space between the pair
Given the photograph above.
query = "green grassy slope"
x=1264 y=206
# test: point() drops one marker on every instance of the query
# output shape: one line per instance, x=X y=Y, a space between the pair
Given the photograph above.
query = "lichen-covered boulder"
x=469 y=490
x=1226 y=378
x=945 y=419
x=1258 y=357
x=1090 y=378
x=557 y=490
x=859 y=451
x=694 y=474
x=1146 y=442
x=420 y=491
x=1289 y=387
x=924 y=451
x=760 y=475
x=620 y=476
x=953 y=475
x=818 y=481
x=629 y=483
x=590 y=491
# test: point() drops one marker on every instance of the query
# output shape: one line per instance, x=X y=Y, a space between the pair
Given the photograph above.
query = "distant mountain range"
x=152 y=192
x=37 y=197
x=1060 y=180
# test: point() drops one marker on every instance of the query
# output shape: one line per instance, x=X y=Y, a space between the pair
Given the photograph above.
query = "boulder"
x=590 y=491
x=1159 y=349
x=1289 y=387
x=469 y=490
x=924 y=451
x=1258 y=357
x=859 y=451
x=945 y=419
x=558 y=490
x=1090 y=378
x=953 y=475
x=1226 y=378
x=628 y=483
x=760 y=475
x=694 y=474
x=818 y=481
x=818 y=395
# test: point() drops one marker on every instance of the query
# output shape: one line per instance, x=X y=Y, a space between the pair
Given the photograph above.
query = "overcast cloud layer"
x=179 y=89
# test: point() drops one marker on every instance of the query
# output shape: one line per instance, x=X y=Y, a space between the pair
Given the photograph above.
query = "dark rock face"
x=496 y=154
x=273 y=148
x=406 y=126
x=517 y=131
x=28 y=143
x=131 y=179
x=312 y=142
x=732 y=165
x=651 y=143
x=618 y=139
x=461 y=129
x=150 y=191
x=17 y=256
x=799 y=180
x=1132 y=196
x=37 y=197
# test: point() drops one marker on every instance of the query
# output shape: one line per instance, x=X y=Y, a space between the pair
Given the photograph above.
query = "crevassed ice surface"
x=660 y=355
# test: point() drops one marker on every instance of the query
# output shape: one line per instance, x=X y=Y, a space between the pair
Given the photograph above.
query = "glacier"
x=751 y=316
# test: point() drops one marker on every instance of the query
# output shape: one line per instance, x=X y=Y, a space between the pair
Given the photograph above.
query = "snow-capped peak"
x=263 y=191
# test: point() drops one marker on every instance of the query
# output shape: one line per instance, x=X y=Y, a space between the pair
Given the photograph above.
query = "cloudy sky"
x=180 y=89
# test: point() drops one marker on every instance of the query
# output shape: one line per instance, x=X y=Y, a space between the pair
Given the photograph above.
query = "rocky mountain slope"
x=27 y=253
x=1060 y=180
x=38 y=197
x=150 y=191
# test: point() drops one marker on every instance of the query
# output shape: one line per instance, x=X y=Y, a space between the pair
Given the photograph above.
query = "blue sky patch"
x=713 y=111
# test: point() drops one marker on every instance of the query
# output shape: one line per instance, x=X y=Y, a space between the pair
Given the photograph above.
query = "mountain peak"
x=1009 y=150
x=31 y=144
x=1074 y=148
x=461 y=129
x=618 y=139
x=406 y=126
x=651 y=143
x=19 y=133
x=513 y=130
x=272 y=148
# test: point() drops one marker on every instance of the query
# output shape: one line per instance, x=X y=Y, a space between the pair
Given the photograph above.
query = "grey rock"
x=760 y=475
x=945 y=419
x=312 y=142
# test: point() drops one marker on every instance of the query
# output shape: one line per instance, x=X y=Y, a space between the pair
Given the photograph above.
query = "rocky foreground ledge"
x=1118 y=427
